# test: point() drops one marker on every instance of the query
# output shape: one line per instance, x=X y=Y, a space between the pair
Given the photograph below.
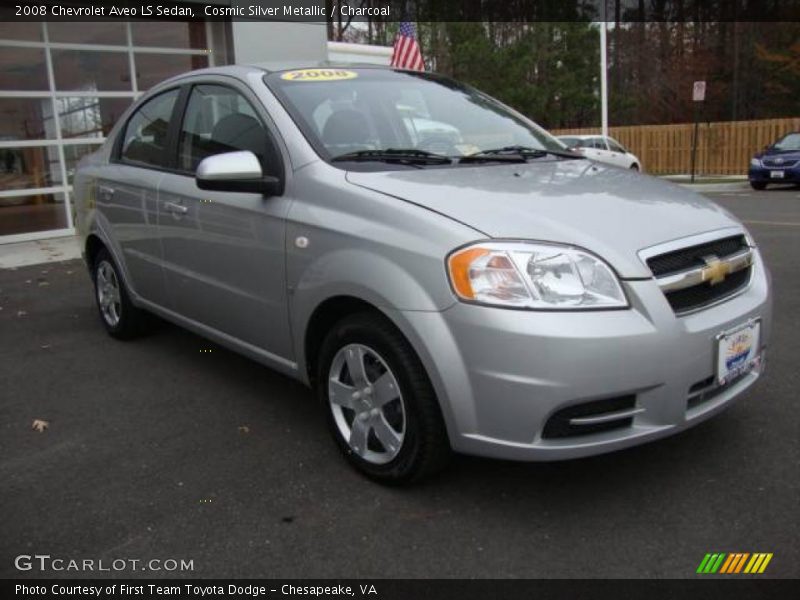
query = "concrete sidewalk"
x=22 y=254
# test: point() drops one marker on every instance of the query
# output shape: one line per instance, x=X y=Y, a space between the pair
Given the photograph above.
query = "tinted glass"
x=86 y=32
x=88 y=70
x=170 y=34
x=22 y=69
x=348 y=110
x=790 y=142
x=26 y=119
x=219 y=119
x=11 y=29
x=89 y=116
x=155 y=68
x=22 y=214
x=22 y=168
x=145 y=138
x=73 y=154
x=614 y=146
x=598 y=144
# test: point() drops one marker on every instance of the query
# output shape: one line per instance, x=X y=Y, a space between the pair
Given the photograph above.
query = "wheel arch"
x=326 y=314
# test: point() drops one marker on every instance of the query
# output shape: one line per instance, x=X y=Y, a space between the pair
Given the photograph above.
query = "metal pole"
x=603 y=74
x=694 y=140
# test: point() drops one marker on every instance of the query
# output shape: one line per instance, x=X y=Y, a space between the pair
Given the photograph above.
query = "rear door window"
x=146 y=133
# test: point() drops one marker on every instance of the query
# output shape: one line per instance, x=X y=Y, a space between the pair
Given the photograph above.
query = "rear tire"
x=758 y=185
x=381 y=407
x=121 y=319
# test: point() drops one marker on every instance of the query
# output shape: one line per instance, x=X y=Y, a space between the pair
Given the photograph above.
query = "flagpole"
x=603 y=74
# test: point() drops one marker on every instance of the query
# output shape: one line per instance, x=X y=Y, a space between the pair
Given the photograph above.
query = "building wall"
x=261 y=42
x=62 y=87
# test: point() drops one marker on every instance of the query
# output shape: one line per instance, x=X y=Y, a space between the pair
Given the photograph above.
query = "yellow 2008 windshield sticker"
x=319 y=75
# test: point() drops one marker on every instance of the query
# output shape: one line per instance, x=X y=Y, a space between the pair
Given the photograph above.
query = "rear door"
x=127 y=189
x=224 y=261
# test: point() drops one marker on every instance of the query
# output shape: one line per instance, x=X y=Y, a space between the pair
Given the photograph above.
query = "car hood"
x=612 y=212
x=786 y=155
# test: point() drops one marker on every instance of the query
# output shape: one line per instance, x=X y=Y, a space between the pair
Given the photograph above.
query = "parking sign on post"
x=698 y=95
x=699 y=91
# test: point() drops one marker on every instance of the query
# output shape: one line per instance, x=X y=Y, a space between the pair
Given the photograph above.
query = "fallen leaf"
x=40 y=425
x=21 y=313
x=244 y=429
x=41 y=283
x=44 y=346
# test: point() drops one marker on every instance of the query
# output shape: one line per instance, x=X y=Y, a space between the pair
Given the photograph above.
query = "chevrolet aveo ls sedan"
x=468 y=286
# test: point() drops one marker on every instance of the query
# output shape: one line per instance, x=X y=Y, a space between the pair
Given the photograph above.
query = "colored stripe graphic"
x=722 y=563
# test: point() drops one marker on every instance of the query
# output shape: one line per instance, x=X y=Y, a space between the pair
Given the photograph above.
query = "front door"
x=224 y=259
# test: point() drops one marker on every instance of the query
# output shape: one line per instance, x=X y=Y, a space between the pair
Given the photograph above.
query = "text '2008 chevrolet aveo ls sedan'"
x=446 y=274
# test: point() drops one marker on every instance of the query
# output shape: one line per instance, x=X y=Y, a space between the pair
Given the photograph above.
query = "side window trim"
x=172 y=132
x=178 y=124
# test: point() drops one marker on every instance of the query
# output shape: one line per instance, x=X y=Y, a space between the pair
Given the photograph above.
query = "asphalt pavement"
x=160 y=449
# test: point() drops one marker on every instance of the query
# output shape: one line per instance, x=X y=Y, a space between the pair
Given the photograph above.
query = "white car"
x=602 y=149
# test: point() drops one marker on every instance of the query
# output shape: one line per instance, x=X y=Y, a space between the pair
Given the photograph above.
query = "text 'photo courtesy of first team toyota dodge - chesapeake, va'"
x=446 y=274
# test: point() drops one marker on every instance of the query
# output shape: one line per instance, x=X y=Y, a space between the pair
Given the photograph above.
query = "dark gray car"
x=445 y=273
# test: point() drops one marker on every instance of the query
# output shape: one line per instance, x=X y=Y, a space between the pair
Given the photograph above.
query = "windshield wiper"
x=410 y=156
x=515 y=154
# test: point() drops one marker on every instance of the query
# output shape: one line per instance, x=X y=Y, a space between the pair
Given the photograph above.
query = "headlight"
x=754 y=162
x=534 y=275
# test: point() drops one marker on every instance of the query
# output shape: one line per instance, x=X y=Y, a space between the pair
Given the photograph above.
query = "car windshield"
x=790 y=142
x=349 y=111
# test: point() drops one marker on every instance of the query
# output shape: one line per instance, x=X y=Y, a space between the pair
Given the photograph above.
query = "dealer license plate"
x=777 y=174
x=737 y=351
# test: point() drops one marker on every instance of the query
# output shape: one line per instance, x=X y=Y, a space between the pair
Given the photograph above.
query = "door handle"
x=174 y=208
x=105 y=192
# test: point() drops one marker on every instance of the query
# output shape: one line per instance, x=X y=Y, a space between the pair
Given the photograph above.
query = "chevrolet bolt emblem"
x=716 y=271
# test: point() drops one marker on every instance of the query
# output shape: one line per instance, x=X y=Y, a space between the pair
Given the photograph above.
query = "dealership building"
x=63 y=85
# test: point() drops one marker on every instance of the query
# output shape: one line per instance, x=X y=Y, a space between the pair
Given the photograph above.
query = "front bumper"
x=502 y=374
x=764 y=174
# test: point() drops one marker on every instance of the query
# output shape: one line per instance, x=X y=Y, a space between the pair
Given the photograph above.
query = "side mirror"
x=236 y=172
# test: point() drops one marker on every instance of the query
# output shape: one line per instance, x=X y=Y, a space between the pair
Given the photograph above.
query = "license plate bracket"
x=738 y=350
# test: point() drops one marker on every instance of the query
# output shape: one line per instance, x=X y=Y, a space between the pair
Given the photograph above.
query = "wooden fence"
x=723 y=148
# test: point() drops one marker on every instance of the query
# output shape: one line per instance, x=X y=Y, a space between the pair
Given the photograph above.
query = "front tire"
x=381 y=406
x=635 y=167
x=758 y=185
x=118 y=315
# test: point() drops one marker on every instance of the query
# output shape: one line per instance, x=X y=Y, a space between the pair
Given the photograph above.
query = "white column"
x=603 y=74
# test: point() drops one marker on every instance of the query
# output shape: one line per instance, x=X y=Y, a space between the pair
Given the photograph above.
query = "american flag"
x=406 y=53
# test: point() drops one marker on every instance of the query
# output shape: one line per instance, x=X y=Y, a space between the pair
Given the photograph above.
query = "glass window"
x=170 y=34
x=73 y=153
x=89 y=71
x=155 y=68
x=145 y=136
x=23 y=69
x=22 y=214
x=26 y=119
x=218 y=119
x=614 y=146
x=788 y=143
x=12 y=29
x=88 y=32
x=22 y=168
x=597 y=143
x=370 y=109
x=89 y=117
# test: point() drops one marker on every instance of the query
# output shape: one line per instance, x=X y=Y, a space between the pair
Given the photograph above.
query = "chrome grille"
x=698 y=276
x=780 y=163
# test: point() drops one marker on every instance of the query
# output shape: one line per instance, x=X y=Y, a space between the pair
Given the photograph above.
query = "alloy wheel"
x=367 y=404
